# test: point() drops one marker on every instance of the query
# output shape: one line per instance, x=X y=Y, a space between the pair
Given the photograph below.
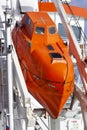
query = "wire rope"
x=76 y=21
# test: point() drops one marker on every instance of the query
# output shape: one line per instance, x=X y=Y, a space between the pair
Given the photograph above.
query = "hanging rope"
x=76 y=21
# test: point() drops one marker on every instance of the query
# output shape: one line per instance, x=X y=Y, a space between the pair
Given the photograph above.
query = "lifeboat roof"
x=41 y=18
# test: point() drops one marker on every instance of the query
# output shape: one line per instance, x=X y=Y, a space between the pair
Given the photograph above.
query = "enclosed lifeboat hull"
x=45 y=62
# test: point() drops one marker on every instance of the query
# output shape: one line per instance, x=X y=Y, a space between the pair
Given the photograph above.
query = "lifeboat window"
x=27 y=20
x=50 y=47
x=55 y=55
x=40 y=30
x=52 y=30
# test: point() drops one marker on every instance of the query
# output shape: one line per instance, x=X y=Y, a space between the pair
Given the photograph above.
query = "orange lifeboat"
x=45 y=61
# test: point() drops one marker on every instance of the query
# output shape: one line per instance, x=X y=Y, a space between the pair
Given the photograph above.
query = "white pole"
x=10 y=90
x=9 y=74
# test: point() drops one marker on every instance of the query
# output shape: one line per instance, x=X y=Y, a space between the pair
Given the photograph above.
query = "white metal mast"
x=9 y=67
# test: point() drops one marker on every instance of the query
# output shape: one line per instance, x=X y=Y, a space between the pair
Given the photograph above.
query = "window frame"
x=42 y=31
x=64 y=35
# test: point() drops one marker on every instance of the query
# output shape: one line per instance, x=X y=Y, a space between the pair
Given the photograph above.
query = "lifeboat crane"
x=76 y=52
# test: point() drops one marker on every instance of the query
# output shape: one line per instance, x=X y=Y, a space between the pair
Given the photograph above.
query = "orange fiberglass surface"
x=45 y=61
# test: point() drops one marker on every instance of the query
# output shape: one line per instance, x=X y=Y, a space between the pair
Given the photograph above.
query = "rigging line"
x=51 y=81
x=67 y=70
x=33 y=79
x=76 y=21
